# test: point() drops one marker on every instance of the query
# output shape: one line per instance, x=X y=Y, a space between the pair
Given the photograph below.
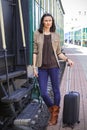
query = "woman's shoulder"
x=56 y=34
x=36 y=32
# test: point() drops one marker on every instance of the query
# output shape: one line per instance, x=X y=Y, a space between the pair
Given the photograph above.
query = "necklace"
x=47 y=33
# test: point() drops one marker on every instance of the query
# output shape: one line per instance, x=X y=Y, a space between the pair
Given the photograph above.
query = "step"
x=28 y=115
x=18 y=94
x=12 y=75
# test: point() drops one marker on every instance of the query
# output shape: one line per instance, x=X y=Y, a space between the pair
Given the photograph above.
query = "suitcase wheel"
x=68 y=125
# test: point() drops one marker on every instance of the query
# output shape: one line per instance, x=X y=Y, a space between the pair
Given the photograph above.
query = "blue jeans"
x=53 y=73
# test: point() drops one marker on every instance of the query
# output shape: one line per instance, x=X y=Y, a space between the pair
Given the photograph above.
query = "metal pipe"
x=23 y=34
x=2 y=27
x=4 y=44
x=21 y=22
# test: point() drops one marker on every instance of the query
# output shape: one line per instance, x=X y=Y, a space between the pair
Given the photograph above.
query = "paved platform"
x=78 y=83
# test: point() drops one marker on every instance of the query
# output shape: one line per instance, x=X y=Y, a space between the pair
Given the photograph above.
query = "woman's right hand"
x=35 y=72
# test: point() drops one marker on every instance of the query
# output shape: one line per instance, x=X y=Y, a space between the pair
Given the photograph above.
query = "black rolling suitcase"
x=71 y=104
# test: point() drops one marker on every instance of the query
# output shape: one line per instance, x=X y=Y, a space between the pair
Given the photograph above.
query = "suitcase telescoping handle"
x=68 y=78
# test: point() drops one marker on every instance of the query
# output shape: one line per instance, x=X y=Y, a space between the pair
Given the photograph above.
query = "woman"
x=45 y=56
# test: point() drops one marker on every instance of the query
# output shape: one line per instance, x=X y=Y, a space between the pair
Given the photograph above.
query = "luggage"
x=71 y=105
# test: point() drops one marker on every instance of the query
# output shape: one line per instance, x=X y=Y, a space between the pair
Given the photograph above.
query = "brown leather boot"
x=54 y=115
x=51 y=111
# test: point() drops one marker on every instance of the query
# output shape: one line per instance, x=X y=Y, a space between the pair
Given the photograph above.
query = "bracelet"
x=66 y=59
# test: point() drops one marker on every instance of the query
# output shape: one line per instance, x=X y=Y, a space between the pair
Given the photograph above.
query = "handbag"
x=35 y=94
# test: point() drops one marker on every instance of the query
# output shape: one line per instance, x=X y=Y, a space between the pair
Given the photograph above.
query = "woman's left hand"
x=70 y=62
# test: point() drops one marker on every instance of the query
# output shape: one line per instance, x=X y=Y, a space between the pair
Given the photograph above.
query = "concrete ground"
x=78 y=83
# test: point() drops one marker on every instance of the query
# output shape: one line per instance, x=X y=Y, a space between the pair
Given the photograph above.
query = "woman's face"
x=47 y=21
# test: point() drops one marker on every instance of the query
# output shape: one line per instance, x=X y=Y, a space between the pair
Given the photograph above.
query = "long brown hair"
x=53 y=27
